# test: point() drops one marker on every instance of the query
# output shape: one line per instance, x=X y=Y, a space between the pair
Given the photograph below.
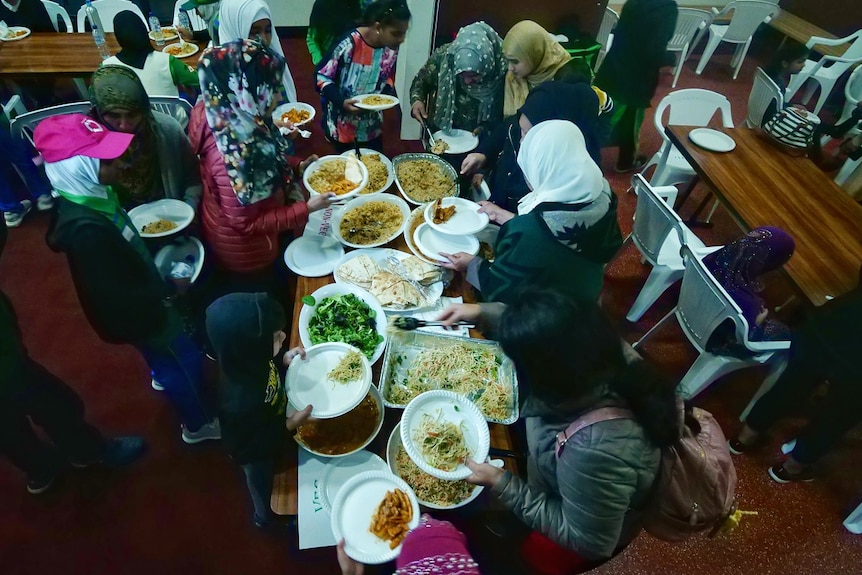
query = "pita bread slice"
x=393 y=292
x=358 y=271
x=422 y=272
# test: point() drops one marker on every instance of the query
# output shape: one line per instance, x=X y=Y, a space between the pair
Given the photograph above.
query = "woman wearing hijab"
x=160 y=73
x=329 y=21
x=122 y=294
x=208 y=11
x=461 y=84
x=566 y=229
x=249 y=191
x=240 y=19
x=162 y=164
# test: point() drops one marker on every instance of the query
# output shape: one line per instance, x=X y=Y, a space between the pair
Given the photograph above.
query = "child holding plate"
x=363 y=62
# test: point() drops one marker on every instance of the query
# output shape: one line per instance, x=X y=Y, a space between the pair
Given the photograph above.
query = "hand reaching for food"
x=483 y=473
x=472 y=162
x=307 y=162
x=495 y=213
x=321 y=201
x=467 y=312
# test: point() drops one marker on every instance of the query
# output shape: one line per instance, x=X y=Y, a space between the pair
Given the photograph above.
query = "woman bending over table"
x=461 y=84
x=565 y=230
x=162 y=163
x=250 y=195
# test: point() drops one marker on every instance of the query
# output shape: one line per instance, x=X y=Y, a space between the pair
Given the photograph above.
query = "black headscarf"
x=132 y=36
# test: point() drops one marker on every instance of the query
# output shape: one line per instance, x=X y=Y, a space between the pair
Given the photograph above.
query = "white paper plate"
x=460 y=141
x=307 y=384
x=393 y=101
x=285 y=108
x=353 y=509
x=355 y=203
x=313 y=256
x=466 y=221
x=177 y=251
x=379 y=255
x=176 y=211
x=386 y=162
x=451 y=407
x=431 y=242
x=341 y=470
x=419 y=214
x=329 y=290
x=317 y=164
x=712 y=140
x=168 y=33
x=192 y=53
x=16 y=29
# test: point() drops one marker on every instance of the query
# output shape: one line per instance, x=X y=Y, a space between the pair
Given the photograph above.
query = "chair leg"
x=711 y=44
x=682 y=57
x=809 y=91
x=706 y=369
x=778 y=366
x=846 y=170
x=81 y=87
x=741 y=58
x=653 y=328
x=660 y=278
x=712 y=211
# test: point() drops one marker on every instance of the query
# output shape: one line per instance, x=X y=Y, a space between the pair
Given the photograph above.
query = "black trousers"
x=835 y=414
x=59 y=411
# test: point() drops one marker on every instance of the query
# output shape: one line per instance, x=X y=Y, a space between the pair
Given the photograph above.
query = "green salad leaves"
x=347 y=319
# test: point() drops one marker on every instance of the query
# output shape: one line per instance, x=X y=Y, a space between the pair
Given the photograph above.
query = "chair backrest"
x=854 y=50
x=764 y=91
x=692 y=107
x=609 y=20
x=688 y=22
x=747 y=16
x=24 y=125
x=654 y=219
x=195 y=20
x=174 y=106
x=55 y=11
x=14 y=104
x=107 y=10
x=704 y=305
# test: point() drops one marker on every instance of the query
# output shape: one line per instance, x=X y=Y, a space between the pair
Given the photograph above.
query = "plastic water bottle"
x=184 y=21
x=92 y=15
x=99 y=39
x=156 y=29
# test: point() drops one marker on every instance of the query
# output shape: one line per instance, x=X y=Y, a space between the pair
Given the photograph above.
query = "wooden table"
x=802 y=30
x=761 y=185
x=285 y=484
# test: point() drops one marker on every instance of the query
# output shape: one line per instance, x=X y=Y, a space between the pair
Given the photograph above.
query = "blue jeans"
x=178 y=367
x=17 y=153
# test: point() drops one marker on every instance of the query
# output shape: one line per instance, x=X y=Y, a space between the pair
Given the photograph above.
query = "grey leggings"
x=258 y=477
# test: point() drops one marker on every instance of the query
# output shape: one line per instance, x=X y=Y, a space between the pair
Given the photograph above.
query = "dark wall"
x=840 y=17
x=553 y=15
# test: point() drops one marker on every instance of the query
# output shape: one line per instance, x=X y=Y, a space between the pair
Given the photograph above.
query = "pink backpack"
x=695 y=486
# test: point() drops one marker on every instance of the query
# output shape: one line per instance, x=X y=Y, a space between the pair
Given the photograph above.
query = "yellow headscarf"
x=533 y=45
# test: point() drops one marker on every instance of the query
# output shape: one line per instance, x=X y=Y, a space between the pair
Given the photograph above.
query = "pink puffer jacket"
x=242 y=238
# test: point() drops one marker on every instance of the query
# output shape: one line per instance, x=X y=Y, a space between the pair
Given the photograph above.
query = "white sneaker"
x=156 y=385
x=44 y=202
x=14 y=219
x=211 y=430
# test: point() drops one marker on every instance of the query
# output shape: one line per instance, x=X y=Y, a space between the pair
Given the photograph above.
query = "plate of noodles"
x=181 y=49
x=334 y=377
x=440 y=429
x=346 y=434
x=161 y=218
x=370 y=221
x=297 y=113
x=424 y=178
x=375 y=102
x=14 y=33
x=347 y=177
x=381 y=175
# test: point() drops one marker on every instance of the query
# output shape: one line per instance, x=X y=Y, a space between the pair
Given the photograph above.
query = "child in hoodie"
x=246 y=332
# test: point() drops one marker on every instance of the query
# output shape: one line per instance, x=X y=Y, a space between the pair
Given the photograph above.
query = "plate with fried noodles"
x=181 y=49
x=14 y=33
x=161 y=218
x=340 y=470
x=440 y=429
x=334 y=377
x=297 y=113
x=373 y=512
x=346 y=177
x=381 y=174
x=375 y=102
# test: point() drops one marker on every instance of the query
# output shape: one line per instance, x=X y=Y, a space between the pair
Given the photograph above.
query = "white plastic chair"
x=14 y=105
x=56 y=11
x=853 y=522
x=703 y=306
x=688 y=23
x=852 y=93
x=195 y=20
x=174 y=106
x=658 y=233
x=107 y=10
x=827 y=70
x=747 y=16
x=689 y=107
x=605 y=37
x=764 y=91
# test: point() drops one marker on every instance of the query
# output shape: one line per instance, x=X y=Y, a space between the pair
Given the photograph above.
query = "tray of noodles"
x=424 y=178
x=416 y=362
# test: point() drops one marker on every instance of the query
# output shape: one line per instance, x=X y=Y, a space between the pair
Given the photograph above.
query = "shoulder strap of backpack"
x=589 y=418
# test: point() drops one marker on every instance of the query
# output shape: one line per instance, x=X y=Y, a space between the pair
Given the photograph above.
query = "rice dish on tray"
x=424 y=180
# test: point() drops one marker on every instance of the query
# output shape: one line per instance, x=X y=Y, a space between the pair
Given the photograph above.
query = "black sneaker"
x=122 y=451
x=781 y=475
x=737 y=447
x=37 y=484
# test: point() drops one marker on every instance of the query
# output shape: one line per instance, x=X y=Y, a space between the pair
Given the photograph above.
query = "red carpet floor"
x=184 y=510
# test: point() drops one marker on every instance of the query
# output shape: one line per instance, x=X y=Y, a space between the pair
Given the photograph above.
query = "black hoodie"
x=252 y=399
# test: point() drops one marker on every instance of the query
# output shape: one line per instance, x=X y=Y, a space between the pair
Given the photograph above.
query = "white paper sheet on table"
x=318 y=223
x=314 y=523
x=432 y=313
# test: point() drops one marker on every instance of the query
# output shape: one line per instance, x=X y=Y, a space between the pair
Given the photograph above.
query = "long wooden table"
x=760 y=185
x=285 y=484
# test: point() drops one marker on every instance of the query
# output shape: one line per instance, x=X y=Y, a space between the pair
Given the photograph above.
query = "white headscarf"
x=234 y=22
x=557 y=166
x=77 y=176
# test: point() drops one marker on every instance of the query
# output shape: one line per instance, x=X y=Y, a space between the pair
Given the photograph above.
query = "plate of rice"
x=370 y=221
x=381 y=174
x=424 y=178
x=161 y=218
x=345 y=176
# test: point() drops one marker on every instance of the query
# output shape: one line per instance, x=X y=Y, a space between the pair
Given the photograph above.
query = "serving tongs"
x=411 y=323
x=431 y=141
x=395 y=266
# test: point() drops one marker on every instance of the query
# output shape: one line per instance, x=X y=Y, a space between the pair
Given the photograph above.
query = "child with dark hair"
x=363 y=62
x=788 y=61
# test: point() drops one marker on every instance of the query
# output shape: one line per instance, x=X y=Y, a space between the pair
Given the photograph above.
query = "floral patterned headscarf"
x=239 y=81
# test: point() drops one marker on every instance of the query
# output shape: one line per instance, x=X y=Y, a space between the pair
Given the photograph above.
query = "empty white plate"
x=431 y=242
x=712 y=140
x=307 y=382
x=460 y=141
x=344 y=468
x=313 y=256
x=465 y=221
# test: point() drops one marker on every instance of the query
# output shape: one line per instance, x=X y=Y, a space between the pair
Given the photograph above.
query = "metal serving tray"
x=408 y=344
x=447 y=168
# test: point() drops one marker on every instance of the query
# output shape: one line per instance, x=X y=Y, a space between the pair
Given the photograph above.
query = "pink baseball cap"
x=60 y=137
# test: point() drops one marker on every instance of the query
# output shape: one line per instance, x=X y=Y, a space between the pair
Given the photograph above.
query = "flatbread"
x=420 y=271
x=358 y=271
x=394 y=292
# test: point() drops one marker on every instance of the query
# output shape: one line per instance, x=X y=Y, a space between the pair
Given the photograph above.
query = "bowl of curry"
x=346 y=433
